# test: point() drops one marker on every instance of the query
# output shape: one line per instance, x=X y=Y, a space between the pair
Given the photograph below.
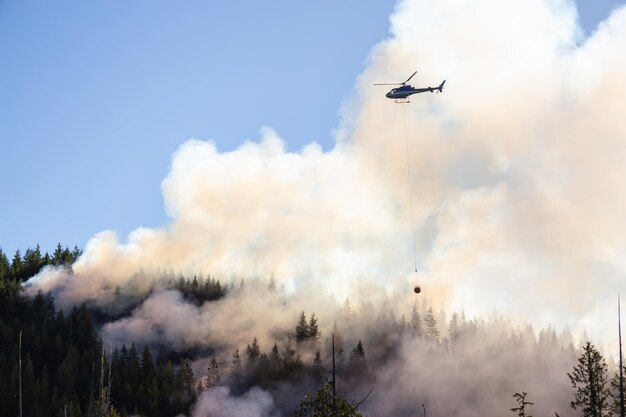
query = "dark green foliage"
x=615 y=392
x=213 y=377
x=184 y=387
x=61 y=356
x=307 y=330
x=357 y=365
x=302 y=329
x=200 y=290
x=318 y=368
x=313 y=331
x=275 y=364
x=21 y=268
x=590 y=382
x=321 y=405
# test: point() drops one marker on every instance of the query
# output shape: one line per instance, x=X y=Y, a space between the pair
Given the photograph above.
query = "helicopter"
x=402 y=93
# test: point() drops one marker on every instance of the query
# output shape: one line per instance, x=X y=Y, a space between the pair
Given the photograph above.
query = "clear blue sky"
x=95 y=96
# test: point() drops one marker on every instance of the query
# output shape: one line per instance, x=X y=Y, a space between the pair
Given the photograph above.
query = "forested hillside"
x=84 y=361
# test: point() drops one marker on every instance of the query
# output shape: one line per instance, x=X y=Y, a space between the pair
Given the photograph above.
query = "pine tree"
x=57 y=256
x=184 y=387
x=302 y=328
x=615 y=392
x=454 y=331
x=347 y=311
x=416 y=322
x=252 y=371
x=522 y=403
x=32 y=262
x=17 y=266
x=322 y=403
x=357 y=366
x=275 y=364
x=213 y=374
x=236 y=373
x=186 y=378
x=253 y=351
x=589 y=380
x=5 y=267
x=313 y=331
x=403 y=324
x=317 y=368
x=148 y=389
x=430 y=325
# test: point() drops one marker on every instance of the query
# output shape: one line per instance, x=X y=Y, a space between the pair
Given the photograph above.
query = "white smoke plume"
x=217 y=402
x=517 y=178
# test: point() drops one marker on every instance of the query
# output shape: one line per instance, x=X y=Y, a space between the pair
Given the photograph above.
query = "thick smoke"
x=518 y=188
x=218 y=402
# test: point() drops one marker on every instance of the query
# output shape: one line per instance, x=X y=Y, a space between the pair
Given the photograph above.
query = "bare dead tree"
x=520 y=410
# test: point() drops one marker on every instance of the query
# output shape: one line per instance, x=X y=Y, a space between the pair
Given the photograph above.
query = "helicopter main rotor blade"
x=388 y=84
x=407 y=80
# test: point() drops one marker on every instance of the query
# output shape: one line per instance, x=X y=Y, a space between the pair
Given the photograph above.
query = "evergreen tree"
x=430 y=325
x=313 y=331
x=5 y=267
x=32 y=262
x=184 y=388
x=317 y=369
x=165 y=381
x=614 y=389
x=347 y=311
x=322 y=403
x=520 y=410
x=17 y=266
x=302 y=329
x=404 y=325
x=57 y=255
x=213 y=373
x=416 y=322
x=253 y=351
x=186 y=380
x=236 y=373
x=589 y=380
x=275 y=364
x=253 y=355
x=148 y=388
x=357 y=366
x=454 y=331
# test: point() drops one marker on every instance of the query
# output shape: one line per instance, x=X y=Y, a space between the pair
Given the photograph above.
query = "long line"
x=408 y=171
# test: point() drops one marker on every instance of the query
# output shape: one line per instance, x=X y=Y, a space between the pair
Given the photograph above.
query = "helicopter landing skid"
x=403 y=101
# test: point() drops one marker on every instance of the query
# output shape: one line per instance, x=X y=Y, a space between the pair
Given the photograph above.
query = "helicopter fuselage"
x=406 y=90
x=401 y=94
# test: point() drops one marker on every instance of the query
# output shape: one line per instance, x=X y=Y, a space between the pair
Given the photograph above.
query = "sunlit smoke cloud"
x=255 y=212
x=516 y=172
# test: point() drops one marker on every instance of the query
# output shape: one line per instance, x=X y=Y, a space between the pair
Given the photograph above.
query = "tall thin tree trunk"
x=334 y=381
x=90 y=410
x=108 y=394
x=20 y=374
x=621 y=366
x=101 y=385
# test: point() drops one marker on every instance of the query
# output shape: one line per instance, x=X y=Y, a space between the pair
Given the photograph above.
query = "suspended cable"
x=408 y=171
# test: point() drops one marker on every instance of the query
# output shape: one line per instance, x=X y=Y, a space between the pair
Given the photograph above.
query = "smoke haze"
x=517 y=175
